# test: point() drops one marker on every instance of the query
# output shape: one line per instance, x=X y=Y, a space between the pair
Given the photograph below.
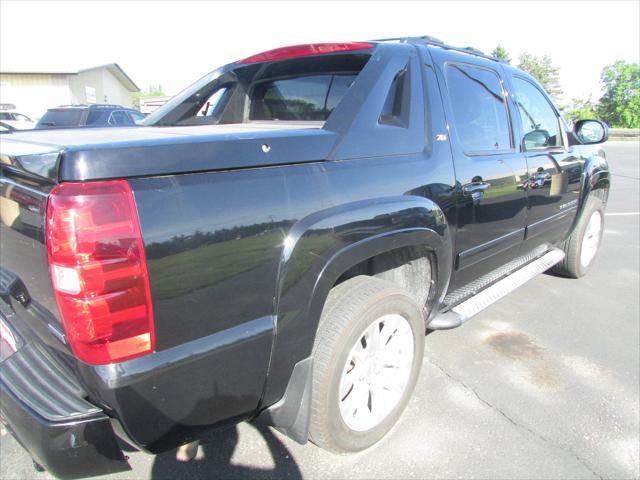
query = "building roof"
x=117 y=72
x=113 y=68
x=28 y=71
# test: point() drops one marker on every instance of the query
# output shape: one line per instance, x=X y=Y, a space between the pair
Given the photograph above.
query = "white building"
x=33 y=92
x=150 y=104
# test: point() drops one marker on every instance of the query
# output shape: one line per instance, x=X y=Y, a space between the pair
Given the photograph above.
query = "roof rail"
x=429 y=40
x=473 y=50
x=90 y=105
x=105 y=105
x=423 y=39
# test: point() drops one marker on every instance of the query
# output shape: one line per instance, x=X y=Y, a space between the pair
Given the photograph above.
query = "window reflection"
x=479 y=109
x=539 y=121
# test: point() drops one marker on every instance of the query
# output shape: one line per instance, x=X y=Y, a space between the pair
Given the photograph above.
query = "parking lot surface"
x=543 y=384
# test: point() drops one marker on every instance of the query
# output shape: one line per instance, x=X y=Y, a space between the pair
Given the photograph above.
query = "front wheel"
x=583 y=244
x=367 y=358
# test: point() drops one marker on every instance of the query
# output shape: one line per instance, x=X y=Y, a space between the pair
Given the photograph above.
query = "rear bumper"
x=45 y=410
x=72 y=449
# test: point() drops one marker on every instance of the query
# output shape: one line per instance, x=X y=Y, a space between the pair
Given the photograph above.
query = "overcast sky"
x=174 y=43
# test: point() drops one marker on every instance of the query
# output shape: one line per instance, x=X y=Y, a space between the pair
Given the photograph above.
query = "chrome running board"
x=481 y=300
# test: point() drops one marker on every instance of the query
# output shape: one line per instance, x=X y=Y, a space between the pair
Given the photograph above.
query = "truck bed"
x=100 y=153
x=97 y=136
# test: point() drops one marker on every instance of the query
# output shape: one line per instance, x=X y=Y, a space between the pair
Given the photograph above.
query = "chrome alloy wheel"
x=376 y=372
x=591 y=239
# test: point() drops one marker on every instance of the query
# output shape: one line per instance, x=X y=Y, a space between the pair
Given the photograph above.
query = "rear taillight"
x=99 y=271
x=305 y=51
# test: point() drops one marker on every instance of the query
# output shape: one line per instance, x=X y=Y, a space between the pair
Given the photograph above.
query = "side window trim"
x=398 y=100
x=555 y=111
x=505 y=93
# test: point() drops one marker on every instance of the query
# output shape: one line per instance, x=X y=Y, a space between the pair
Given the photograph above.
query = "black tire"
x=572 y=266
x=351 y=308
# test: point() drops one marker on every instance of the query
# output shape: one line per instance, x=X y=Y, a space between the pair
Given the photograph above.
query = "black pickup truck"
x=274 y=244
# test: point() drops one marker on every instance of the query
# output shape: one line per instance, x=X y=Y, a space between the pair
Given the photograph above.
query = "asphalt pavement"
x=543 y=384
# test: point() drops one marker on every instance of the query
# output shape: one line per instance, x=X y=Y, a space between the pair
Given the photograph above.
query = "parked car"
x=89 y=116
x=5 y=128
x=274 y=243
x=17 y=121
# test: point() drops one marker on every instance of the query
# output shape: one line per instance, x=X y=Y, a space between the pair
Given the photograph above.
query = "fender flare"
x=595 y=176
x=352 y=233
x=378 y=244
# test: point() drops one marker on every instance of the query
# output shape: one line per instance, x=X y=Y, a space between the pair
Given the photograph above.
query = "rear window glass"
x=61 y=118
x=301 y=89
x=308 y=98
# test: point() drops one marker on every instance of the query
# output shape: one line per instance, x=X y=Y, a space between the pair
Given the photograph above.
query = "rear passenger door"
x=490 y=169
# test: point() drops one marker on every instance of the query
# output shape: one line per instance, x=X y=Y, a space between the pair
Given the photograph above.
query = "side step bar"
x=474 y=305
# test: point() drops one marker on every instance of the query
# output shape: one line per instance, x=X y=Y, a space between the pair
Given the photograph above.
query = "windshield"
x=295 y=90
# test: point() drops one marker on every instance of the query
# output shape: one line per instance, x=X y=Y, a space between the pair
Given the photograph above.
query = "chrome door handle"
x=475 y=187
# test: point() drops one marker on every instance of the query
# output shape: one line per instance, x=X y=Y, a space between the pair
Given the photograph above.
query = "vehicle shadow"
x=214 y=460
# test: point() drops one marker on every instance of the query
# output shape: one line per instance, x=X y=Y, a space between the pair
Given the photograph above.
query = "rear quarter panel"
x=215 y=247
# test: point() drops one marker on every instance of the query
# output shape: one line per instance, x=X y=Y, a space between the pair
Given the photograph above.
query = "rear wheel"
x=583 y=244
x=367 y=358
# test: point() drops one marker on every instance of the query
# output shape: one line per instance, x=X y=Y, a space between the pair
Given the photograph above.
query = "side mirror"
x=589 y=132
x=536 y=139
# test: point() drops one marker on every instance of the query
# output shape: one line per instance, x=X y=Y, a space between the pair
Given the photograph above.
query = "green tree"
x=501 y=53
x=544 y=71
x=579 y=109
x=620 y=104
x=152 y=91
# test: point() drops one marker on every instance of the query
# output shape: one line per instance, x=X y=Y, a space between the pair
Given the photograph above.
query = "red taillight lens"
x=99 y=271
x=305 y=51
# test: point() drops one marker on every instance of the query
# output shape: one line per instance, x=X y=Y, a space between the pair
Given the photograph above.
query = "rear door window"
x=97 y=117
x=480 y=112
x=120 y=117
x=307 y=98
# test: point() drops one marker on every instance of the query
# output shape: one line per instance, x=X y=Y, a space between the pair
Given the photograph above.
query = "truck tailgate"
x=25 y=284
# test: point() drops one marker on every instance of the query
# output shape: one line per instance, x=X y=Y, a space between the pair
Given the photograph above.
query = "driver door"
x=554 y=171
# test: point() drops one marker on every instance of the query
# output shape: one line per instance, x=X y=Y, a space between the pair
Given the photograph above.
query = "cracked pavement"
x=543 y=384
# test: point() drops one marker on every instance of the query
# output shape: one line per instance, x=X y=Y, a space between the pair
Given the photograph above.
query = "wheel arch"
x=596 y=180
x=318 y=250
x=377 y=245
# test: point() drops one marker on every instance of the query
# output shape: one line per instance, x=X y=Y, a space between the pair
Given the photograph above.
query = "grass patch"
x=204 y=266
x=188 y=271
